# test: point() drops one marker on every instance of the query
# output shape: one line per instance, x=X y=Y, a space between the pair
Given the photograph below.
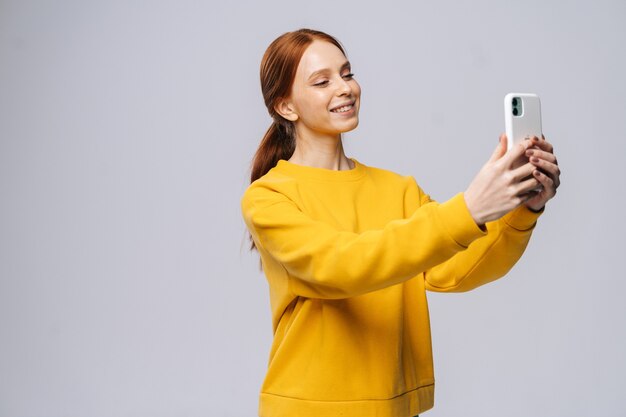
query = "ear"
x=286 y=109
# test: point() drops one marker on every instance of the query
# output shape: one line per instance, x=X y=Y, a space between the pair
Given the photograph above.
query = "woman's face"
x=324 y=97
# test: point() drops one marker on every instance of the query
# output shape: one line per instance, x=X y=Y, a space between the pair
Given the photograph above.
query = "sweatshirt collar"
x=308 y=172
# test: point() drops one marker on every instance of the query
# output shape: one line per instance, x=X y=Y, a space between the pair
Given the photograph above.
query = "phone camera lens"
x=515 y=112
x=515 y=101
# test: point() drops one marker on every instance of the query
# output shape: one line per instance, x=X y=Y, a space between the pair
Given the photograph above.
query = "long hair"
x=278 y=71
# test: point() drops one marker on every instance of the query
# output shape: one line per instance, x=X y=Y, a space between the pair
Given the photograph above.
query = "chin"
x=347 y=125
x=352 y=126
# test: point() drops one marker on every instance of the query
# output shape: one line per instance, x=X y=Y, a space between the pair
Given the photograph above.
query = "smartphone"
x=522 y=119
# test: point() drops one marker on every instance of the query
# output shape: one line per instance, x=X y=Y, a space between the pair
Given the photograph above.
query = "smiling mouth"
x=343 y=109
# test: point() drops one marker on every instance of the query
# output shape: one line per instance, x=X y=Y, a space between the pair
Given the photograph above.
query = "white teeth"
x=342 y=109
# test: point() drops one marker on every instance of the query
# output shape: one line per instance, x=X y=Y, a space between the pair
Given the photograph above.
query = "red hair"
x=278 y=70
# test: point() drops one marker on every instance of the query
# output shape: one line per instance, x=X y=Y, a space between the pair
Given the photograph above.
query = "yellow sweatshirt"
x=348 y=256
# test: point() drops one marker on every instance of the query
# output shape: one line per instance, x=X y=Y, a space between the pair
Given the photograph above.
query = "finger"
x=553 y=170
x=541 y=154
x=519 y=149
x=522 y=172
x=544 y=145
x=546 y=182
x=500 y=149
x=527 y=186
x=529 y=195
x=545 y=152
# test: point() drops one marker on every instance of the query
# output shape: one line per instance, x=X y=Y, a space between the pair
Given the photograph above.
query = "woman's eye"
x=325 y=82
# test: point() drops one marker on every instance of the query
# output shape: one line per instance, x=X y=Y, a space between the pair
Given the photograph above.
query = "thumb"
x=500 y=149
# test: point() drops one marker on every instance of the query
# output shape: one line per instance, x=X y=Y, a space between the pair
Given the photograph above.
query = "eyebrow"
x=345 y=65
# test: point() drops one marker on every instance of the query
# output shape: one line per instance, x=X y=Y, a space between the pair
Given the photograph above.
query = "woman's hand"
x=542 y=156
x=499 y=187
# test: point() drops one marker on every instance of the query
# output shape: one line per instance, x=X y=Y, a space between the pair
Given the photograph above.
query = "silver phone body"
x=522 y=118
x=525 y=124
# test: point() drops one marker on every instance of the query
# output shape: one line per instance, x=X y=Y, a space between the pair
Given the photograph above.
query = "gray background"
x=127 y=129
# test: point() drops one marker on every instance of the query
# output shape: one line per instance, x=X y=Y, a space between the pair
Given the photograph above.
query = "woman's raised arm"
x=323 y=262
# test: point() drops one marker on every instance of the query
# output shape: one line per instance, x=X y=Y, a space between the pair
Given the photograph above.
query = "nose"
x=343 y=87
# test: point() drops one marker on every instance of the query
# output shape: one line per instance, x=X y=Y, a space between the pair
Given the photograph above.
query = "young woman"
x=349 y=249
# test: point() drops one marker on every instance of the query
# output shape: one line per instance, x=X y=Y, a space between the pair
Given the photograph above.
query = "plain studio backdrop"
x=126 y=134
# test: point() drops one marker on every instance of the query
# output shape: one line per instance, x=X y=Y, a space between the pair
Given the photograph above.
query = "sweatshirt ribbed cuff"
x=458 y=221
x=522 y=218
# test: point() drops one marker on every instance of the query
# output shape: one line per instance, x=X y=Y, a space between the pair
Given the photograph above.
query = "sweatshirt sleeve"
x=323 y=262
x=487 y=258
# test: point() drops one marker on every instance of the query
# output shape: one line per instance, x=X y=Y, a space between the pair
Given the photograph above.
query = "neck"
x=321 y=151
